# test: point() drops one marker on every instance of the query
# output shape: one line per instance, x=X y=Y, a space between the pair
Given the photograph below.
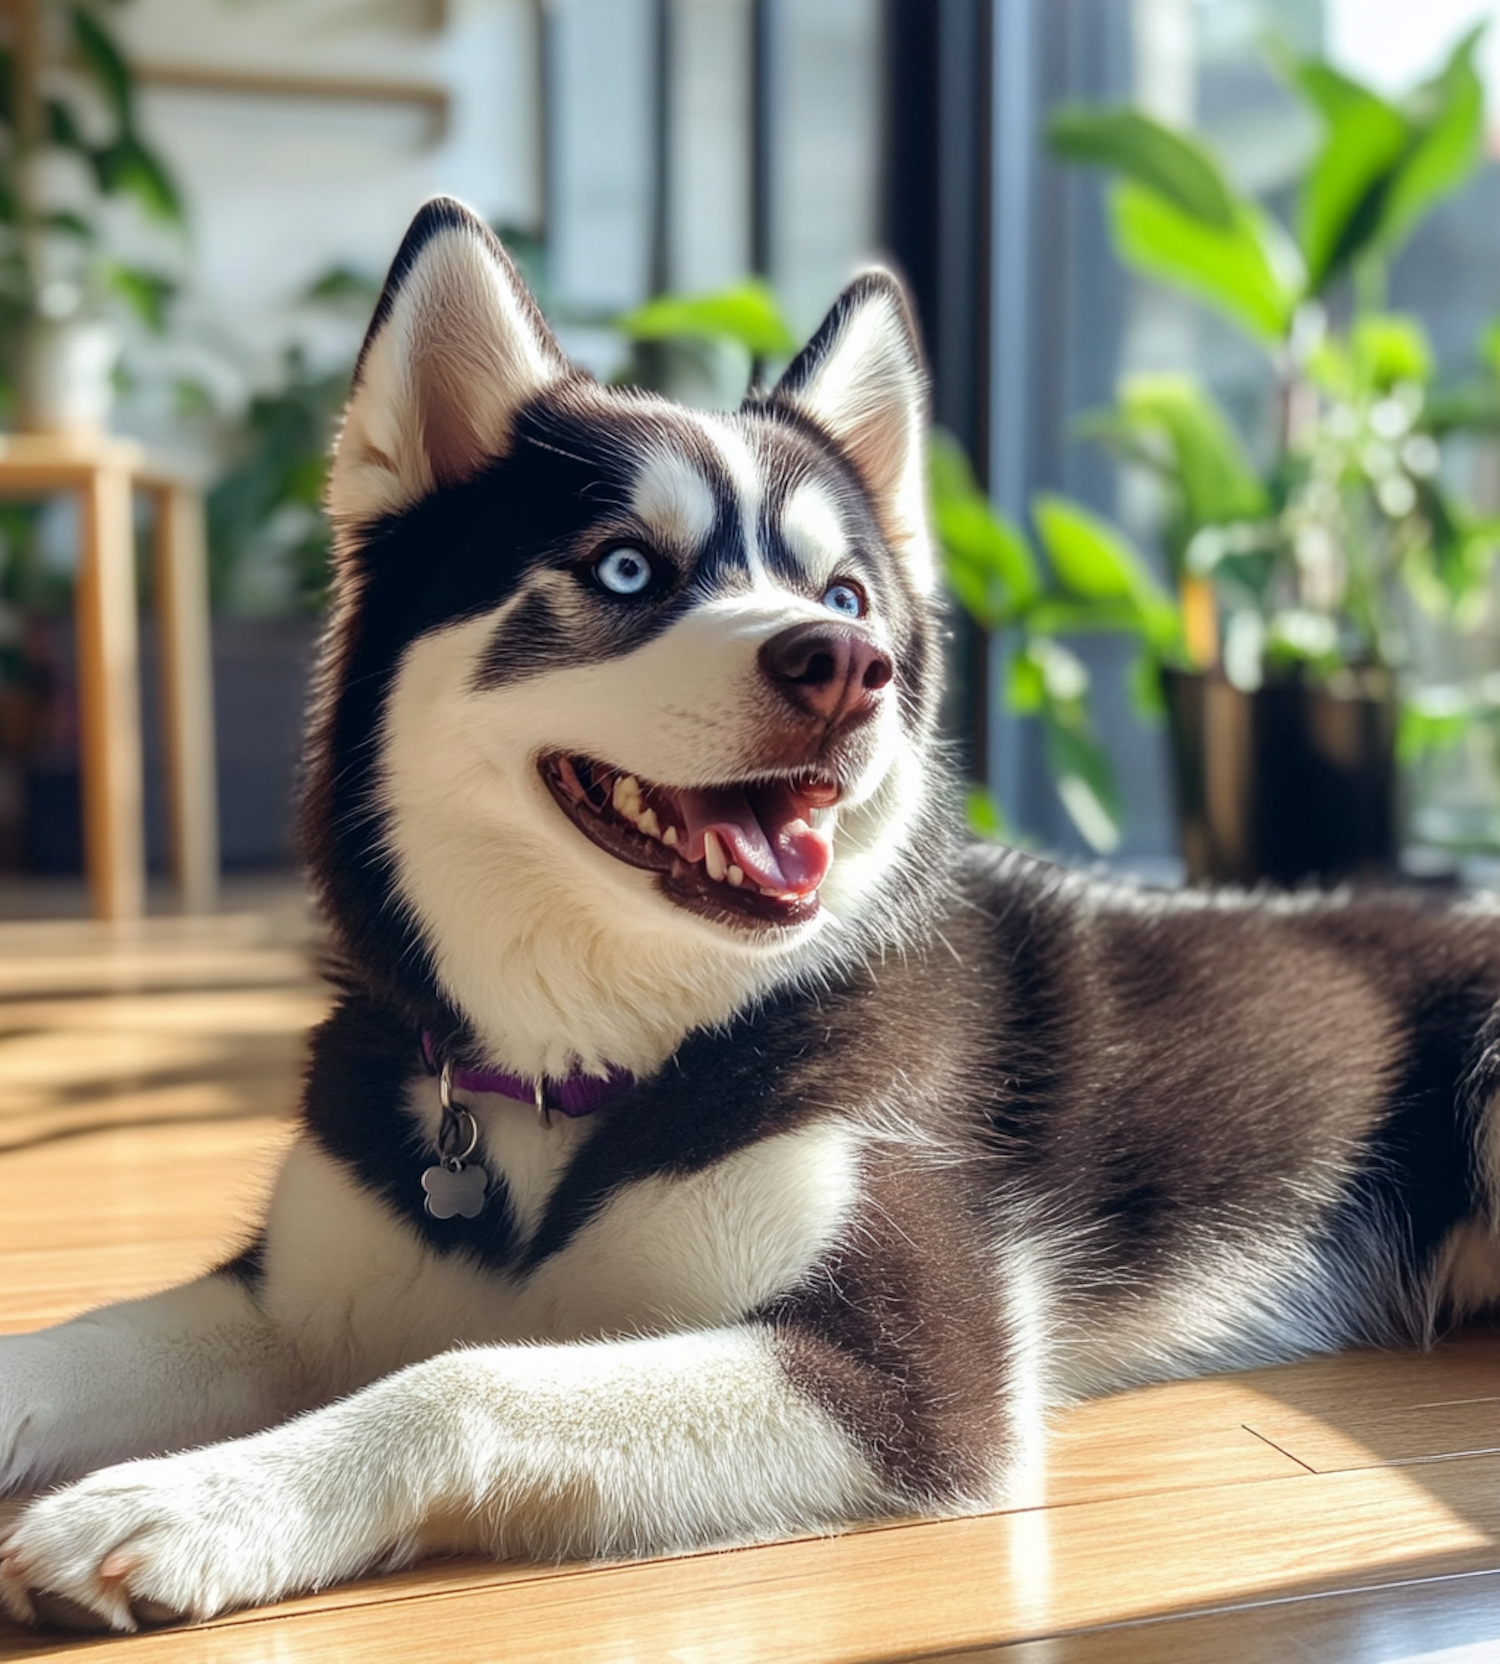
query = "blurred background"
x=1210 y=290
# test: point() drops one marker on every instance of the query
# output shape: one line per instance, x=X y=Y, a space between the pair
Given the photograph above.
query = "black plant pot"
x=1293 y=783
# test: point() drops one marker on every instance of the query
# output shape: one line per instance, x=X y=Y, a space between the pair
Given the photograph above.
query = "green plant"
x=55 y=255
x=1092 y=582
x=266 y=508
x=1313 y=561
x=67 y=95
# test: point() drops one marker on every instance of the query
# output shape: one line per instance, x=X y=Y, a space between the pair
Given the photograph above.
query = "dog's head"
x=626 y=709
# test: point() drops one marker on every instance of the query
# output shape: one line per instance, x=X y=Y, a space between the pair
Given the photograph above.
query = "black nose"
x=828 y=671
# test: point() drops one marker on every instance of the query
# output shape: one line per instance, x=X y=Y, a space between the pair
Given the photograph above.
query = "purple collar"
x=574 y=1096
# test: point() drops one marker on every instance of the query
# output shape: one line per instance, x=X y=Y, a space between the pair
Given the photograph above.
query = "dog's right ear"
x=456 y=347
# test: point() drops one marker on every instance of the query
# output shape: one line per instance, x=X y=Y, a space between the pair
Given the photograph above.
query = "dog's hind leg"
x=194 y=1364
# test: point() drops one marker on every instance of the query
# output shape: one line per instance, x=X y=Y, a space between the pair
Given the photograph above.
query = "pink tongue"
x=765 y=832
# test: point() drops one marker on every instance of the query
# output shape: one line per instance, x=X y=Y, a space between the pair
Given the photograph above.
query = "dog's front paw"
x=148 y=1542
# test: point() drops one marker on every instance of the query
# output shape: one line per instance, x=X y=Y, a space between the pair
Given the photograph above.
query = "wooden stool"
x=103 y=472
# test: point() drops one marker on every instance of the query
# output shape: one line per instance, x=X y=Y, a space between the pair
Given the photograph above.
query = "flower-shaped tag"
x=455 y=1191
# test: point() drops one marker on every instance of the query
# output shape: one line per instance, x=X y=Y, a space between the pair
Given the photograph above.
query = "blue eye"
x=624 y=571
x=844 y=598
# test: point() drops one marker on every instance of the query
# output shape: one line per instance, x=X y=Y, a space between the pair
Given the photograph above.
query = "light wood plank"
x=109 y=698
x=33 y=464
x=77 y=957
x=1416 y=1434
x=1449 y=1620
x=1165 y=1438
x=911 y=1590
x=87 y=1065
x=187 y=694
x=1350 y=1385
x=50 y=1285
x=430 y=97
x=154 y=1185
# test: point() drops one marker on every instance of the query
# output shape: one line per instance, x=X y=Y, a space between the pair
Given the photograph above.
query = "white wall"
x=280 y=189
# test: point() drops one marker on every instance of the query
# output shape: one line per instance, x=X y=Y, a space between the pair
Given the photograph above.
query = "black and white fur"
x=909 y=1161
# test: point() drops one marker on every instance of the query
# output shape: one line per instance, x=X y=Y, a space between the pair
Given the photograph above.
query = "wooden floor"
x=1346 y=1509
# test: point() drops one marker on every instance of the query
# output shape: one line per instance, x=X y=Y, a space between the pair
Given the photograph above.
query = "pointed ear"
x=456 y=347
x=861 y=380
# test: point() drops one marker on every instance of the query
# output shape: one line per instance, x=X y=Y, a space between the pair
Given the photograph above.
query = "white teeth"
x=626 y=797
x=649 y=824
x=715 y=857
x=736 y=876
x=669 y=837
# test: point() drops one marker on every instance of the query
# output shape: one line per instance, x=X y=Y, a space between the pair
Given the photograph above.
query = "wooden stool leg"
x=187 y=695
x=109 y=705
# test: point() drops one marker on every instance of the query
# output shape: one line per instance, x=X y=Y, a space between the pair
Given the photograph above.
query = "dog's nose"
x=828 y=671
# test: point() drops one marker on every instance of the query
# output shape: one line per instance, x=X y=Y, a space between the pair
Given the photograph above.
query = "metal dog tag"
x=454 y=1190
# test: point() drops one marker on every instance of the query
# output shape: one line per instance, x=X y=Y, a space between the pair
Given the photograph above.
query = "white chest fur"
x=361 y=1294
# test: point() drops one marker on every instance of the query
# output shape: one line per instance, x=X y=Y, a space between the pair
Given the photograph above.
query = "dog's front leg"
x=196 y=1363
x=594 y=1448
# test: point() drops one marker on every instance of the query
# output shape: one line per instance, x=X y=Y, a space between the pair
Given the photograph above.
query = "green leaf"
x=1384 y=168
x=1230 y=270
x=1025 y=683
x=1088 y=555
x=1450 y=125
x=989 y=565
x=986 y=817
x=1489 y=347
x=1387 y=348
x=344 y=286
x=1169 y=163
x=62 y=127
x=1339 y=209
x=745 y=313
x=1146 y=692
x=70 y=225
x=1066 y=616
x=1431 y=722
x=1085 y=782
x=1216 y=482
x=1099 y=569
x=105 y=63
x=1451 y=572
x=145 y=292
x=128 y=168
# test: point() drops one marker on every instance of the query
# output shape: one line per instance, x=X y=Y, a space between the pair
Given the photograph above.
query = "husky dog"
x=705 y=1145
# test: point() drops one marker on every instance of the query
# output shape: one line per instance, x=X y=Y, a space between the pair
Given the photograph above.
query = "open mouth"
x=752 y=853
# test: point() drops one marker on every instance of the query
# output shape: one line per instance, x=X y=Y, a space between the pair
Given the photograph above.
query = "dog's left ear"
x=861 y=380
x=456 y=347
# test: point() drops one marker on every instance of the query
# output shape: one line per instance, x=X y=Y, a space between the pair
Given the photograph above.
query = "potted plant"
x=71 y=141
x=1297 y=582
x=1281 y=653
